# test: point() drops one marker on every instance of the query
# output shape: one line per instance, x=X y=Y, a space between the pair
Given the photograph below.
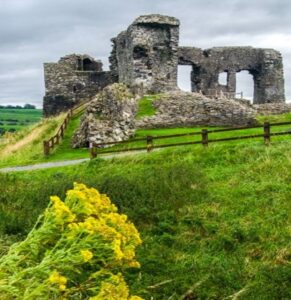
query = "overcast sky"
x=37 y=31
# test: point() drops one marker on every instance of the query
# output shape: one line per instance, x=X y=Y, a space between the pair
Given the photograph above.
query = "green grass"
x=64 y=151
x=16 y=119
x=196 y=138
x=275 y=118
x=214 y=222
x=145 y=106
x=26 y=146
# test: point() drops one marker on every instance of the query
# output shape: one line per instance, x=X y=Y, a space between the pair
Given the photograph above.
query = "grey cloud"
x=37 y=31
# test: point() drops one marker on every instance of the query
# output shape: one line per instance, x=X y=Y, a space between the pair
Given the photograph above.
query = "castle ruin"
x=146 y=56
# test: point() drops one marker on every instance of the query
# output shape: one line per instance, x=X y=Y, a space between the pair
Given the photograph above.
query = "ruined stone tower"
x=146 y=54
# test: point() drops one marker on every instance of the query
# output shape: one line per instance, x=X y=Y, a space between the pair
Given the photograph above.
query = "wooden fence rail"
x=50 y=144
x=204 y=133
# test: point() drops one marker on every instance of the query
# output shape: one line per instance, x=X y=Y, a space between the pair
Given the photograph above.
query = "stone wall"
x=73 y=79
x=146 y=54
x=145 y=57
x=272 y=108
x=177 y=109
x=111 y=116
x=265 y=65
x=108 y=118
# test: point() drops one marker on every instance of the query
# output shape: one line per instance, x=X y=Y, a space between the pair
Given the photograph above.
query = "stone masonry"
x=146 y=54
x=108 y=118
x=178 y=108
x=265 y=65
x=111 y=116
x=73 y=79
x=145 y=58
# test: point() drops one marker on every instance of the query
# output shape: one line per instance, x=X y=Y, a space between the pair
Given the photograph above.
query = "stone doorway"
x=244 y=85
x=184 y=77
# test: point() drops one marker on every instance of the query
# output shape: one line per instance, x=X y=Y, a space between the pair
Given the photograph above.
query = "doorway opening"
x=245 y=85
x=184 y=78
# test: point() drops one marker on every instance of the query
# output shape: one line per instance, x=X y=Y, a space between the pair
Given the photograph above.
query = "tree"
x=29 y=106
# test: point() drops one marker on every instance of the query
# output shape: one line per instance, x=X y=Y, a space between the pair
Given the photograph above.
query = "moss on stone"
x=146 y=107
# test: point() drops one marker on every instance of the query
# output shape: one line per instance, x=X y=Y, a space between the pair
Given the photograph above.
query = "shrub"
x=78 y=249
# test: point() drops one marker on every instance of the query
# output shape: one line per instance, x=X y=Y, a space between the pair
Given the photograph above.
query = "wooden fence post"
x=267 y=133
x=57 y=138
x=46 y=148
x=204 y=134
x=150 y=145
x=62 y=131
x=53 y=142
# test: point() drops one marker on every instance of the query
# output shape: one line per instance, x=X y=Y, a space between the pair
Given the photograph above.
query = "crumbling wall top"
x=81 y=62
x=156 y=19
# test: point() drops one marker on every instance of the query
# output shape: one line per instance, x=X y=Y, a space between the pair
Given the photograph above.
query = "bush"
x=78 y=249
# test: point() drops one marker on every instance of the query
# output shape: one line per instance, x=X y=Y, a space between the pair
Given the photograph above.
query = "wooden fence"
x=55 y=140
x=204 y=133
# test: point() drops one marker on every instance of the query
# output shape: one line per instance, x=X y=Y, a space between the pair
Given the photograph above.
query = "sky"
x=36 y=31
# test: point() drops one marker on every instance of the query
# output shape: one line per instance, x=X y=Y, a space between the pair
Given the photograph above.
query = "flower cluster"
x=78 y=249
x=56 y=278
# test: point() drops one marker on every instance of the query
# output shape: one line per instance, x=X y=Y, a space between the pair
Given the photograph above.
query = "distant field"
x=15 y=119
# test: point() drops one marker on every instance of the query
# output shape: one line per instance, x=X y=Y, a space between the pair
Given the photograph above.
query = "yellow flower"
x=87 y=255
x=57 y=278
x=117 y=250
x=134 y=264
x=114 y=288
x=61 y=210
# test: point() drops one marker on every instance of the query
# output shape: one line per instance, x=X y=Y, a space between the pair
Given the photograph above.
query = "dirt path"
x=61 y=163
x=43 y=166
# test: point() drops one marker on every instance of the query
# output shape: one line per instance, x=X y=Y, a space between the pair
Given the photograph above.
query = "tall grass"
x=214 y=221
x=26 y=146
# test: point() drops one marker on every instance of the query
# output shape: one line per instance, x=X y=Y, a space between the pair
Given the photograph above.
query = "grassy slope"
x=64 y=151
x=214 y=221
x=19 y=118
x=26 y=146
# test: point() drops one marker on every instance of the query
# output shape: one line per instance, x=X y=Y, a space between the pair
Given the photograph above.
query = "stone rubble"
x=108 y=118
x=178 y=109
x=111 y=116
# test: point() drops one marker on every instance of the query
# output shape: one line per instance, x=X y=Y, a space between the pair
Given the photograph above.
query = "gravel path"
x=61 y=163
x=44 y=165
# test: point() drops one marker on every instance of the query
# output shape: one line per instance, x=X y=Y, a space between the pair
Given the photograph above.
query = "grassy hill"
x=31 y=151
x=26 y=146
x=215 y=222
x=15 y=119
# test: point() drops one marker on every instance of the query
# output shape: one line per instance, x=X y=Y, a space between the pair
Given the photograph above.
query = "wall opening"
x=222 y=78
x=184 y=78
x=88 y=65
x=139 y=52
x=244 y=85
